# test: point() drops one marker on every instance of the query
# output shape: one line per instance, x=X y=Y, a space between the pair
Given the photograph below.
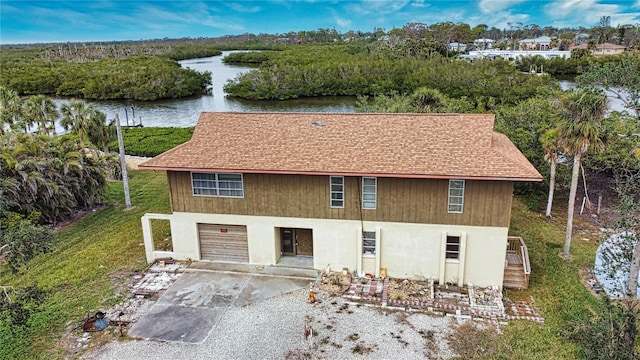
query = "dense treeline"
x=575 y=65
x=252 y=57
x=137 y=78
x=367 y=70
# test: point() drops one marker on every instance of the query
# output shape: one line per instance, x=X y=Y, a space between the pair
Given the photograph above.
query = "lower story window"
x=453 y=247
x=368 y=242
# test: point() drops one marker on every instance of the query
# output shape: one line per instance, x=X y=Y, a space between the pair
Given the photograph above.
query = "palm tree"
x=551 y=144
x=42 y=111
x=10 y=108
x=77 y=117
x=579 y=132
x=100 y=133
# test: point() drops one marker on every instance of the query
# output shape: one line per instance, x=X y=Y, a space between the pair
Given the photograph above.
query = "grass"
x=79 y=271
x=151 y=141
x=556 y=287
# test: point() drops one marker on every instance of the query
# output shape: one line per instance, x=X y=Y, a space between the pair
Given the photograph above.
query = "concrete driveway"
x=192 y=306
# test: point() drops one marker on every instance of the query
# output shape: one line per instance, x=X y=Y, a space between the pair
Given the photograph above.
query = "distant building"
x=542 y=43
x=484 y=43
x=514 y=54
x=603 y=49
x=581 y=38
x=458 y=47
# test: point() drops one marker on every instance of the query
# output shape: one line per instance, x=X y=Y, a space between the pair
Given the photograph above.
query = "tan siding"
x=486 y=203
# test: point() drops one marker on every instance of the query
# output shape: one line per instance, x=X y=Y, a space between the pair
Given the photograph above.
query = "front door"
x=288 y=245
x=296 y=242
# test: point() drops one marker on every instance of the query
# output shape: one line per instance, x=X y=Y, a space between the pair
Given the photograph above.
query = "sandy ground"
x=134 y=161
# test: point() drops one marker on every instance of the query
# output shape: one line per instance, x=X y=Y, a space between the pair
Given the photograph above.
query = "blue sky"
x=61 y=21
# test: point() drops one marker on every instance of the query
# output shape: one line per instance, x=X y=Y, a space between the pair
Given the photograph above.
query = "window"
x=217 y=184
x=369 y=193
x=337 y=191
x=456 y=196
x=453 y=247
x=368 y=242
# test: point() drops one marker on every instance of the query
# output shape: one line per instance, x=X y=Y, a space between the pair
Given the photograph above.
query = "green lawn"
x=103 y=243
x=109 y=241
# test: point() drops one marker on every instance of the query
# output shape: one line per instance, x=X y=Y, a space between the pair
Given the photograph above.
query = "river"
x=185 y=112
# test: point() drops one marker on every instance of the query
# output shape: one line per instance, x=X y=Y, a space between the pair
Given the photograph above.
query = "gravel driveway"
x=274 y=329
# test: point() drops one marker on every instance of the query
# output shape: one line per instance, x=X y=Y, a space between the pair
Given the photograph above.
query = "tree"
x=101 y=133
x=550 y=141
x=580 y=131
x=42 y=111
x=619 y=78
x=80 y=118
x=10 y=109
x=53 y=176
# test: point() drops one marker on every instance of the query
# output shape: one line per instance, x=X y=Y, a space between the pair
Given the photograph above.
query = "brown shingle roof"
x=394 y=145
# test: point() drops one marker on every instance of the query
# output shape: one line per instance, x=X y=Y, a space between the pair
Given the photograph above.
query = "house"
x=420 y=195
x=602 y=49
x=542 y=43
x=458 y=47
x=483 y=43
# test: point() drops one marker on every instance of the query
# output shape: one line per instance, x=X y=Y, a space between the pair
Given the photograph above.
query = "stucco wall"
x=406 y=250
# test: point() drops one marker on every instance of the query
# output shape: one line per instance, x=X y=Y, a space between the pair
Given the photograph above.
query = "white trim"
x=378 y=252
x=375 y=193
x=331 y=192
x=359 y=250
x=147 y=234
x=462 y=256
x=460 y=197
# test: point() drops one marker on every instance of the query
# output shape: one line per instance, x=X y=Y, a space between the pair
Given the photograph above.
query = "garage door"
x=223 y=242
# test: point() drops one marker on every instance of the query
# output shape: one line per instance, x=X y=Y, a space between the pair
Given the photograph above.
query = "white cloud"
x=564 y=13
x=379 y=7
x=241 y=8
x=493 y=6
x=342 y=22
x=421 y=4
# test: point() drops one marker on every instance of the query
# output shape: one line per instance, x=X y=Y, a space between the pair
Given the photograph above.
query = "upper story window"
x=456 y=196
x=217 y=184
x=336 y=187
x=369 y=189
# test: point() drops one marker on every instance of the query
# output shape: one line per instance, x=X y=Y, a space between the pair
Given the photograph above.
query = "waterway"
x=185 y=112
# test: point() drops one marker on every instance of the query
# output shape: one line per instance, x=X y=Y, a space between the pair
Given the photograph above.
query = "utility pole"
x=123 y=164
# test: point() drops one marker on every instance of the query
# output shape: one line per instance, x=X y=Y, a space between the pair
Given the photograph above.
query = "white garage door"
x=223 y=242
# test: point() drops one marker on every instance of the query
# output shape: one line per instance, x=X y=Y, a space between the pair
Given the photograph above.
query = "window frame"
x=374 y=193
x=457 y=205
x=332 y=192
x=450 y=242
x=216 y=190
x=369 y=250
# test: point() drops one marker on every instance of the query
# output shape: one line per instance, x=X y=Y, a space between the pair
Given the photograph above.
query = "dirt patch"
x=335 y=283
x=400 y=289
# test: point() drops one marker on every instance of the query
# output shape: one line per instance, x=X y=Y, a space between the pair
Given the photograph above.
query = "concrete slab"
x=259 y=288
x=203 y=289
x=176 y=323
x=191 y=307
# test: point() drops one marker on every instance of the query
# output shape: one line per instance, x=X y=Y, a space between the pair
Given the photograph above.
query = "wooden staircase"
x=517 y=269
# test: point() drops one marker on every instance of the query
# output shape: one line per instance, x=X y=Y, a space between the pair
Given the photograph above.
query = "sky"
x=78 y=20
